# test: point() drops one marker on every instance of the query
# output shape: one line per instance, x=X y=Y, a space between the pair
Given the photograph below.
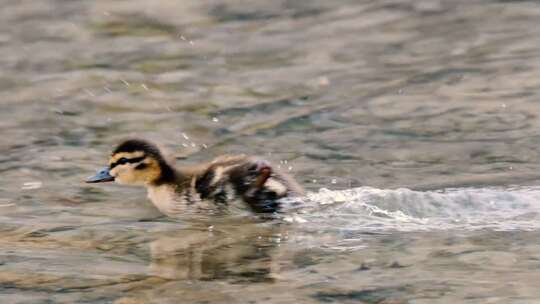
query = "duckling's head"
x=134 y=162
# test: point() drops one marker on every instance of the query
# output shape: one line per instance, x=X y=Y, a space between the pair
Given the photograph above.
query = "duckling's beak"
x=101 y=176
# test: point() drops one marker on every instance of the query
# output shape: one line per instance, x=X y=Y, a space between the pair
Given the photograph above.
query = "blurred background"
x=424 y=95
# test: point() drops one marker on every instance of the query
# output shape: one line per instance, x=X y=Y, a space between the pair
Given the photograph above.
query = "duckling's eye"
x=122 y=161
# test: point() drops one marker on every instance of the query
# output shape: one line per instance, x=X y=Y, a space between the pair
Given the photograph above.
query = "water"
x=413 y=124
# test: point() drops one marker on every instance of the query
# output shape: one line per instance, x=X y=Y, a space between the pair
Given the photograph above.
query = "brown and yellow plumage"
x=225 y=180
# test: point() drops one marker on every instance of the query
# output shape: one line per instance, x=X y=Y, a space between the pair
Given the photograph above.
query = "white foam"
x=365 y=208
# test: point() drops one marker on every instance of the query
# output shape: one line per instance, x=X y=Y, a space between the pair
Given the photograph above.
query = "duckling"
x=215 y=185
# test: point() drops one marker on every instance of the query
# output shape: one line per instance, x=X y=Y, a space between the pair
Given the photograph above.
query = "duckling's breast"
x=168 y=200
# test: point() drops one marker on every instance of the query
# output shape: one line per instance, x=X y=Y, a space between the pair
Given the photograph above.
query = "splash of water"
x=371 y=209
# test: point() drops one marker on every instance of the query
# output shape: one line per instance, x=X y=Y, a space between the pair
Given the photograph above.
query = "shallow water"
x=413 y=124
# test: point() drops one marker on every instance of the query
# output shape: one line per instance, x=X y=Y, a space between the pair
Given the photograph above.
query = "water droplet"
x=125 y=82
x=32 y=185
x=205 y=146
x=191 y=42
x=185 y=145
x=314 y=181
x=185 y=135
x=210 y=228
x=295 y=219
x=333 y=181
x=2 y=205
x=144 y=86
x=89 y=93
x=324 y=81
x=290 y=168
x=4 y=201
x=215 y=119
x=503 y=105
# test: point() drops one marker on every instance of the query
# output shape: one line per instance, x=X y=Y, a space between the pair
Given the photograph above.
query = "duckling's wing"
x=213 y=181
x=253 y=180
x=261 y=186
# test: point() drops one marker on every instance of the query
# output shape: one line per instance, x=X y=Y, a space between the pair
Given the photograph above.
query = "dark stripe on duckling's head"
x=141 y=166
x=125 y=160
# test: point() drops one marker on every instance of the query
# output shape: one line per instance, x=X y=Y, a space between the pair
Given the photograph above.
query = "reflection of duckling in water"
x=235 y=251
x=208 y=186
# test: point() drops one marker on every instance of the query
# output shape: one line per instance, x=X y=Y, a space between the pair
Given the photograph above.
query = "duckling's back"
x=249 y=179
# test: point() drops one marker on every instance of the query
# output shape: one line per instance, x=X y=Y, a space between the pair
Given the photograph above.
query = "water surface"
x=413 y=124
